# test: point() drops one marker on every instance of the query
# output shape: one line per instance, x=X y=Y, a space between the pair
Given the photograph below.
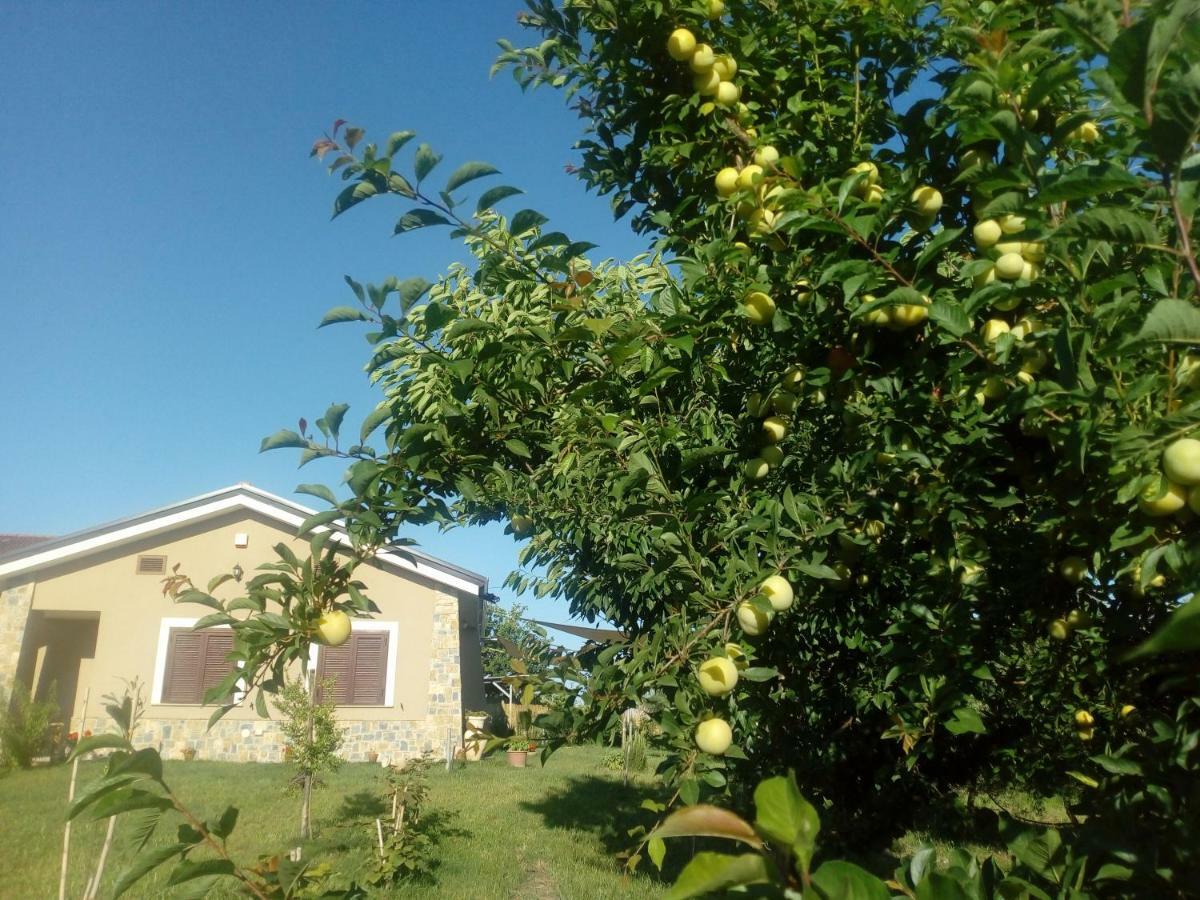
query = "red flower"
x=73 y=736
x=87 y=733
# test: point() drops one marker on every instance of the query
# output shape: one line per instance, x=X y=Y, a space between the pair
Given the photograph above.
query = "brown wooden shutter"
x=196 y=661
x=358 y=668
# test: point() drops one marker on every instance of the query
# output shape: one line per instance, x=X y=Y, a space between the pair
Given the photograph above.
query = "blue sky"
x=166 y=247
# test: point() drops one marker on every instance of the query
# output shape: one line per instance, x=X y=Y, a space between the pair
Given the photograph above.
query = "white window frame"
x=160 y=662
x=389 y=687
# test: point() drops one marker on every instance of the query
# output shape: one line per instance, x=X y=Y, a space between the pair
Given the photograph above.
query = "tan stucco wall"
x=430 y=655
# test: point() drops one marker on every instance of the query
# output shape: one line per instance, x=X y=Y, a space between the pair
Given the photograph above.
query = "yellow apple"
x=753 y=620
x=1128 y=710
x=1084 y=719
x=803 y=291
x=1181 y=461
x=727 y=93
x=766 y=156
x=717 y=676
x=1162 y=498
x=1011 y=224
x=761 y=221
x=771 y=455
x=1060 y=630
x=906 y=315
x=928 y=200
x=750 y=176
x=777 y=591
x=784 y=403
x=992 y=329
x=986 y=233
x=874 y=195
x=1030 y=271
x=681 y=44
x=706 y=83
x=1025 y=377
x=333 y=628
x=757 y=468
x=714 y=736
x=716 y=8
x=793 y=378
x=1009 y=303
x=702 y=59
x=1072 y=568
x=869 y=169
x=522 y=525
x=1010 y=266
x=1034 y=251
x=774 y=429
x=1085 y=734
x=725 y=66
x=1085 y=133
x=1025 y=326
x=727 y=181
x=759 y=307
x=1003 y=247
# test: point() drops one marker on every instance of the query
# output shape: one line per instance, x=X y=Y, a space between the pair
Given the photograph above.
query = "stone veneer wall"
x=259 y=740
x=14 y=614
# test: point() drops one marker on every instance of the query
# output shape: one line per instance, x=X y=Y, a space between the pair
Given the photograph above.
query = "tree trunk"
x=306 y=807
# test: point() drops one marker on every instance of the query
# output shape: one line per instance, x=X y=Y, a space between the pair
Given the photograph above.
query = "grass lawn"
x=529 y=833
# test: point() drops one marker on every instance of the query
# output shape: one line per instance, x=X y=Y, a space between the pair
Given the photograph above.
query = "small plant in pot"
x=189 y=753
x=518 y=749
x=476 y=735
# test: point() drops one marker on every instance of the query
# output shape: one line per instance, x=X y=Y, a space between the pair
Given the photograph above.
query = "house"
x=85 y=611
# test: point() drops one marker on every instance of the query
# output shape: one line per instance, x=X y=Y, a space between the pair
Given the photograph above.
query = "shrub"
x=25 y=728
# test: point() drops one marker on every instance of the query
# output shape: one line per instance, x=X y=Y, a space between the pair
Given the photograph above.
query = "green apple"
x=702 y=59
x=803 y=291
x=759 y=307
x=774 y=428
x=1060 y=630
x=793 y=379
x=1034 y=251
x=714 y=736
x=1162 y=498
x=333 y=628
x=755 y=405
x=992 y=329
x=1025 y=326
x=1033 y=361
x=681 y=45
x=521 y=525
x=994 y=387
x=761 y=221
x=1072 y=568
x=752 y=619
x=717 y=676
x=1181 y=461
x=778 y=592
x=784 y=403
x=928 y=200
x=725 y=66
x=757 y=468
x=727 y=181
x=771 y=455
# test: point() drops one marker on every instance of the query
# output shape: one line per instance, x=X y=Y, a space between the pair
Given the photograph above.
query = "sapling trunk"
x=306 y=806
x=62 y=878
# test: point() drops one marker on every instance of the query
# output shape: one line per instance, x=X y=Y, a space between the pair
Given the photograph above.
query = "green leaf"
x=492 y=196
x=1117 y=765
x=657 y=850
x=709 y=872
x=839 y=880
x=1109 y=223
x=1090 y=179
x=343 y=314
x=144 y=864
x=950 y=316
x=224 y=826
x=374 y=419
x=1172 y=321
x=703 y=820
x=397 y=140
x=333 y=418
x=526 y=220
x=1180 y=633
x=99 y=742
x=411 y=290
x=419 y=218
x=127 y=800
x=469 y=171
x=99 y=789
x=352 y=196
x=200 y=868
x=324 y=517
x=966 y=720
x=318 y=490
x=285 y=437
x=424 y=162
x=785 y=818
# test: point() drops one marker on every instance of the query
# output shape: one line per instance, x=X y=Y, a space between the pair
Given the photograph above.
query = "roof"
x=31 y=554
x=11 y=543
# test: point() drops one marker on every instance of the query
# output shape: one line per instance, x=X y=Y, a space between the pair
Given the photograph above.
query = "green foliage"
x=408 y=841
x=25 y=727
x=505 y=634
x=952 y=484
x=311 y=730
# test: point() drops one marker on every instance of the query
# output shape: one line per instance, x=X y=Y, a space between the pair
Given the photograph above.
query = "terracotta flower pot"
x=189 y=753
x=516 y=758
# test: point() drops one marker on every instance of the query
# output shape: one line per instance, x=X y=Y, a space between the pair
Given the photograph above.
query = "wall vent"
x=151 y=565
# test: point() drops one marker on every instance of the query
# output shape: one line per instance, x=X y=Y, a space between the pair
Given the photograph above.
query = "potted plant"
x=476 y=734
x=372 y=756
x=189 y=753
x=518 y=749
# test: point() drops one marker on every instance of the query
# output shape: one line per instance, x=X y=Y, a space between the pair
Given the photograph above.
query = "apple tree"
x=886 y=451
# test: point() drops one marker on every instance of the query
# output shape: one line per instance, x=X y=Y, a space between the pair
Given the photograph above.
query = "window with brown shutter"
x=358 y=669
x=196 y=661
